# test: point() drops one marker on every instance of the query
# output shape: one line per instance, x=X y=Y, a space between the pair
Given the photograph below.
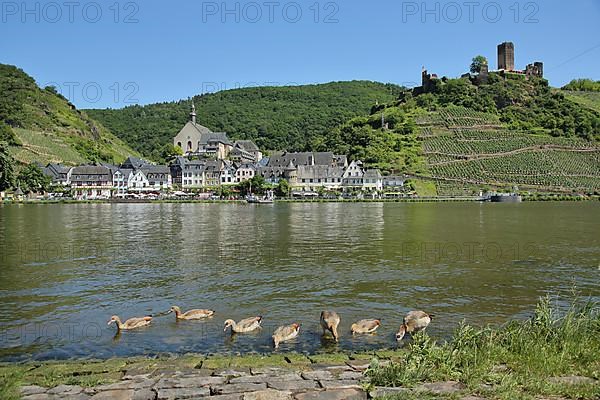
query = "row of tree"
x=583 y=85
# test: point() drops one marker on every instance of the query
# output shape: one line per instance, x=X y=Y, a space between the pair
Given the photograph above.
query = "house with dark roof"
x=134 y=163
x=91 y=182
x=60 y=174
x=314 y=177
x=247 y=149
x=150 y=178
x=198 y=174
x=197 y=140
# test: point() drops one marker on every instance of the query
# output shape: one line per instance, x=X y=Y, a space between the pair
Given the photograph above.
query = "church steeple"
x=193 y=114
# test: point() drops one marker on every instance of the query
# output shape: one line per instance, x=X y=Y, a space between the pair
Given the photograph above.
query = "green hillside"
x=590 y=100
x=464 y=138
x=43 y=126
x=290 y=117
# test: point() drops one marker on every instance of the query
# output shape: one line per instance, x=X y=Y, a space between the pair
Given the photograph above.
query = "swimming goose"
x=330 y=321
x=131 y=323
x=284 y=333
x=191 y=314
x=414 y=321
x=245 y=325
x=365 y=326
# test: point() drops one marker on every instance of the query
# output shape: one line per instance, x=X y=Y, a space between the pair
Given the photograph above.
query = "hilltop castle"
x=506 y=67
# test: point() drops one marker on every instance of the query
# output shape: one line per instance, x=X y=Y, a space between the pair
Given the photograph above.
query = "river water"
x=65 y=269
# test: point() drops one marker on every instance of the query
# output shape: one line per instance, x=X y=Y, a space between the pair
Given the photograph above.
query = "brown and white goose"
x=365 y=326
x=131 y=323
x=330 y=321
x=245 y=325
x=414 y=321
x=191 y=314
x=284 y=333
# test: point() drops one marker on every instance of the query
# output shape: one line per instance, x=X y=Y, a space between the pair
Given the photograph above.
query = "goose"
x=245 y=325
x=131 y=323
x=330 y=321
x=365 y=326
x=191 y=314
x=414 y=321
x=284 y=333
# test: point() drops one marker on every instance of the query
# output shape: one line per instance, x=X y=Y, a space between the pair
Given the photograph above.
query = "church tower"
x=193 y=114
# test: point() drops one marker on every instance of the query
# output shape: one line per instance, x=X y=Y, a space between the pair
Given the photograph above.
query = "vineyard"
x=487 y=154
x=459 y=117
x=44 y=148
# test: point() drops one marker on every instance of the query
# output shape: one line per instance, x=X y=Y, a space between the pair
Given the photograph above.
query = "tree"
x=7 y=172
x=283 y=188
x=32 y=179
x=7 y=135
x=168 y=152
x=478 y=62
x=256 y=185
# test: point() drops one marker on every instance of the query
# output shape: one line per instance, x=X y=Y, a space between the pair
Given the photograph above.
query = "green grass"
x=424 y=188
x=515 y=361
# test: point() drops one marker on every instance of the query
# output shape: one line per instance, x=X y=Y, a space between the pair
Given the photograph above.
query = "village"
x=212 y=167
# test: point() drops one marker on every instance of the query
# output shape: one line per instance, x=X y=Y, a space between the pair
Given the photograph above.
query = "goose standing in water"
x=365 y=326
x=330 y=321
x=131 y=323
x=414 y=321
x=284 y=333
x=245 y=325
x=191 y=314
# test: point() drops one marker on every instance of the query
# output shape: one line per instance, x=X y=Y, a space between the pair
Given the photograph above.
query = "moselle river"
x=65 y=269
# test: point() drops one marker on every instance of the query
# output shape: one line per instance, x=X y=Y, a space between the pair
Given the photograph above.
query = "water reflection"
x=67 y=268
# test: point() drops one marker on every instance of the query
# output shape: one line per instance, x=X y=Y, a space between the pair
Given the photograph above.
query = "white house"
x=372 y=180
x=245 y=172
x=150 y=178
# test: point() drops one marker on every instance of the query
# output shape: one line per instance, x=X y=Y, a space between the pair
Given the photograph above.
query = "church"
x=197 y=140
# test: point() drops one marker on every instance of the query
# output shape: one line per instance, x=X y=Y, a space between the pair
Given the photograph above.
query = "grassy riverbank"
x=521 y=360
x=551 y=354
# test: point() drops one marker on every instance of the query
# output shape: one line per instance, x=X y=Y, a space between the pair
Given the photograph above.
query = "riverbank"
x=525 y=198
x=550 y=356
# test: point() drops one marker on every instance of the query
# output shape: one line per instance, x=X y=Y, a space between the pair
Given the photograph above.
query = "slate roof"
x=282 y=159
x=91 y=173
x=372 y=173
x=134 y=162
x=247 y=145
x=211 y=137
x=319 y=172
x=125 y=172
x=155 y=169
x=241 y=152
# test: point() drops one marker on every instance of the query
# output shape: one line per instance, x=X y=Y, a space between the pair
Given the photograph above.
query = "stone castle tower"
x=506 y=56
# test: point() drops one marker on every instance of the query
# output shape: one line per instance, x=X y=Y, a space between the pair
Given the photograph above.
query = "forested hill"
x=41 y=125
x=289 y=117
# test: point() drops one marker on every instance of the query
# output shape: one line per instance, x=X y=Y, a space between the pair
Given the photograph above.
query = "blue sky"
x=114 y=53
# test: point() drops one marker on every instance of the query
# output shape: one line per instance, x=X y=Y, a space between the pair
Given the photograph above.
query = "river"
x=66 y=268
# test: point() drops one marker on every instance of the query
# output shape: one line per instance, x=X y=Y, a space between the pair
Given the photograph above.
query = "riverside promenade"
x=295 y=378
